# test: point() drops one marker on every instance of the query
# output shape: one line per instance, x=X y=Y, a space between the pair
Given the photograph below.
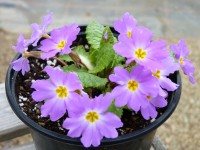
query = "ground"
x=169 y=20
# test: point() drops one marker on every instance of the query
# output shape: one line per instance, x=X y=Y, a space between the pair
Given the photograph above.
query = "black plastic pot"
x=48 y=140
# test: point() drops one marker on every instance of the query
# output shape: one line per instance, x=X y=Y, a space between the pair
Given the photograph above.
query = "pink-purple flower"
x=56 y=92
x=132 y=87
x=149 y=111
x=142 y=49
x=168 y=67
x=126 y=25
x=89 y=119
x=22 y=63
x=40 y=30
x=60 y=41
x=181 y=51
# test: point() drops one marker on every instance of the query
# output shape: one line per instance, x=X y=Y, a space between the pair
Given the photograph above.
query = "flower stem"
x=60 y=61
x=77 y=59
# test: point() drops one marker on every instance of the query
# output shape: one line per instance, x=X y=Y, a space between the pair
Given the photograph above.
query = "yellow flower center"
x=92 y=116
x=61 y=45
x=129 y=34
x=181 y=61
x=140 y=53
x=132 y=85
x=157 y=74
x=61 y=91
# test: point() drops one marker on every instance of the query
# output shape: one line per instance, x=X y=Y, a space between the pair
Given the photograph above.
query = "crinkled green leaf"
x=88 y=80
x=116 y=110
x=94 y=33
x=105 y=54
x=65 y=57
x=117 y=61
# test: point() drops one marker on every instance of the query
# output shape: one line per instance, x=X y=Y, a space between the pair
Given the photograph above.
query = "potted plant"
x=95 y=86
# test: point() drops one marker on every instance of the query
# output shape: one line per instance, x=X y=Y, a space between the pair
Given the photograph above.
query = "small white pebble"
x=152 y=120
x=36 y=60
x=32 y=81
x=21 y=104
x=20 y=100
x=42 y=66
x=86 y=46
x=32 y=65
x=55 y=61
x=34 y=74
x=24 y=99
x=49 y=62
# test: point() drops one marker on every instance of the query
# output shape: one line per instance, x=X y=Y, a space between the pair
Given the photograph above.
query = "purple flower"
x=89 y=118
x=142 y=49
x=22 y=63
x=150 y=109
x=40 y=30
x=126 y=25
x=56 y=92
x=181 y=51
x=168 y=66
x=60 y=41
x=133 y=87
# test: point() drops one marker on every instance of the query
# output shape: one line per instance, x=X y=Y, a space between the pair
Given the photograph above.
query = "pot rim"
x=10 y=93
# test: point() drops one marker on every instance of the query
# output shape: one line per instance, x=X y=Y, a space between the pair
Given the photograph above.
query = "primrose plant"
x=128 y=72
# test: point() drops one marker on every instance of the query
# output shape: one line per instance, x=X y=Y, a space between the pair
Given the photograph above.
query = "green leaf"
x=105 y=54
x=117 y=61
x=88 y=80
x=73 y=68
x=116 y=110
x=94 y=33
x=65 y=57
x=84 y=56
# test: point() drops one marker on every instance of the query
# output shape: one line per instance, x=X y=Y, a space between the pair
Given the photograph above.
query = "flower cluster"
x=137 y=65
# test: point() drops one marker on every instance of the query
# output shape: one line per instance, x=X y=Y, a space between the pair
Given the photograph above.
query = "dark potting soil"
x=131 y=120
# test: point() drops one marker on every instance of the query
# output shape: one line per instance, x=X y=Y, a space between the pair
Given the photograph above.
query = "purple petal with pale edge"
x=50 y=54
x=124 y=49
x=36 y=33
x=54 y=73
x=168 y=84
x=142 y=37
x=48 y=45
x=137 y=100
x=149 y=111
x=43 y=85
x=39 y=96
x=180 y=49
x=66 y=50
x=75 y=126
x=122 y=97
x=79 y=105
x=169 y=66
x=47 y=107
x=47 y=20
x=21 y=44
x=91 y=136
x=21 y=64
x=58 y=110
x=150 y=87
x=188 y=69
x=72 y=86
x=101 y=103
x=121 y=76
x=126 y=23
x=157 y=50
x=112 y=120
x=159 y=101
x=162 y=92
